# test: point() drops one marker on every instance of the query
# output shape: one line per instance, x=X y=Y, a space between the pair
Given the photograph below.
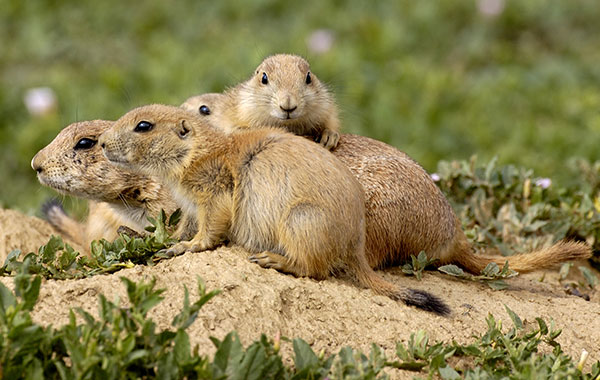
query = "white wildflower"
x=490 y=8
x=320 y=41
x=40 y=100
x=544 y=183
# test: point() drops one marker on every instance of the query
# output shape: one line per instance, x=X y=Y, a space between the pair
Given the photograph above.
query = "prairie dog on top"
x=284 y=93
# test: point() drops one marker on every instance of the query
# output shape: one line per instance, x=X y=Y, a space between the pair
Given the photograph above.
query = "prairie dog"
x=284 y=93
x=286 y=200
x=405 y=210
x=73 y=164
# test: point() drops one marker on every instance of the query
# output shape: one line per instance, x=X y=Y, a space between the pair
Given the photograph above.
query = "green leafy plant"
x=578 y=288
x=492 y=275
x=59 y=260
x=417 y=265
x=510 y=209
x=496 y=354
x=590 y=278
x=123 y=342
x=418 y=353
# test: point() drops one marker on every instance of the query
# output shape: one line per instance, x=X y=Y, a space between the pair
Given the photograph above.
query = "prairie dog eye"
x=143 y=126
x=204 y=110
x=85 y=143
x=265 y=79
x=308 y=78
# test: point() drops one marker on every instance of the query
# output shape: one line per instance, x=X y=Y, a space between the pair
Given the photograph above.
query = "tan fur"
x=118 y=197
x=286 y=101
x=405 y=211
x=289 y=202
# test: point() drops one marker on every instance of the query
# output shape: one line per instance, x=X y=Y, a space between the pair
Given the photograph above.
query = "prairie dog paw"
x=329 y=139
x=268 y=260
x=178 y=249
x=190 y=246
x=202 y=245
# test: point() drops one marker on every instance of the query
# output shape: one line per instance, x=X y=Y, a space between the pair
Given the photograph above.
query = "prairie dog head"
x=154 y=140
x=73 y=164
x=284 y=92
x=210 y=107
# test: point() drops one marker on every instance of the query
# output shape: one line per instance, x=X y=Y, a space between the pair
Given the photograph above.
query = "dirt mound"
x=27 y=233
x=328 y=314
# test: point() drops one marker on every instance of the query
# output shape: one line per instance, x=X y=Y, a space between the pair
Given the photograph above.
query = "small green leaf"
x=515 y=318
x=182 y=347
x=402 y=352
x=13 y=255
x=437 y=361
x=471 y=350
x=128 y=344
x=448 y=372
x=304 y=355
x=136 y=355
x=497 y=284
x=175 y=217
x=7 y=298
x=48 y=251
x=490 y=168
x=452 y=270
x=253 y=363
x=491 y=270
x=31 y=292
x=228 y=351
x=407 y=269
x=590 y=278
x=564 y=270
x=543 y=326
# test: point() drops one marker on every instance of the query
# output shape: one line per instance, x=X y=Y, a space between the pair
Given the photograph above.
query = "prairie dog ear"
x=183 y=130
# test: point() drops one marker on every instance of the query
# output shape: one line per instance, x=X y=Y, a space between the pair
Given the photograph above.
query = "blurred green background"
x=439 y=79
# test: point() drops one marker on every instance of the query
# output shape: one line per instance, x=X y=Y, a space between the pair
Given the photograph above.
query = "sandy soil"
x=328 y=314
x=27 y=233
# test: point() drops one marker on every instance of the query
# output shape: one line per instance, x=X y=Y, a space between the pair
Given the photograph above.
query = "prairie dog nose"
x=288 y=110
x=35 y=165
x=288 y=104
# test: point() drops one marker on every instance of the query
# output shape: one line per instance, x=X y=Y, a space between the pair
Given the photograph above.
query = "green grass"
x=438 y=80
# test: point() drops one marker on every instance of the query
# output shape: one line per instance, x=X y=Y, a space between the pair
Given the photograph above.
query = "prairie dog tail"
x=412 y=297
x=55 y=214
x=527 y=262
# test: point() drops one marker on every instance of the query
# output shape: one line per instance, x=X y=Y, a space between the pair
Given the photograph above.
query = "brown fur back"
x=402 y=202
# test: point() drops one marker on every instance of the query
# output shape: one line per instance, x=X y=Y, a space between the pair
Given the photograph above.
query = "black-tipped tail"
x=52 y=208
x=426 y=301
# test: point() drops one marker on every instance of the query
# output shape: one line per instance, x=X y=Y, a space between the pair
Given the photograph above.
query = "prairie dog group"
x=228 y=162
x=405 y=210
x=286 y=200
